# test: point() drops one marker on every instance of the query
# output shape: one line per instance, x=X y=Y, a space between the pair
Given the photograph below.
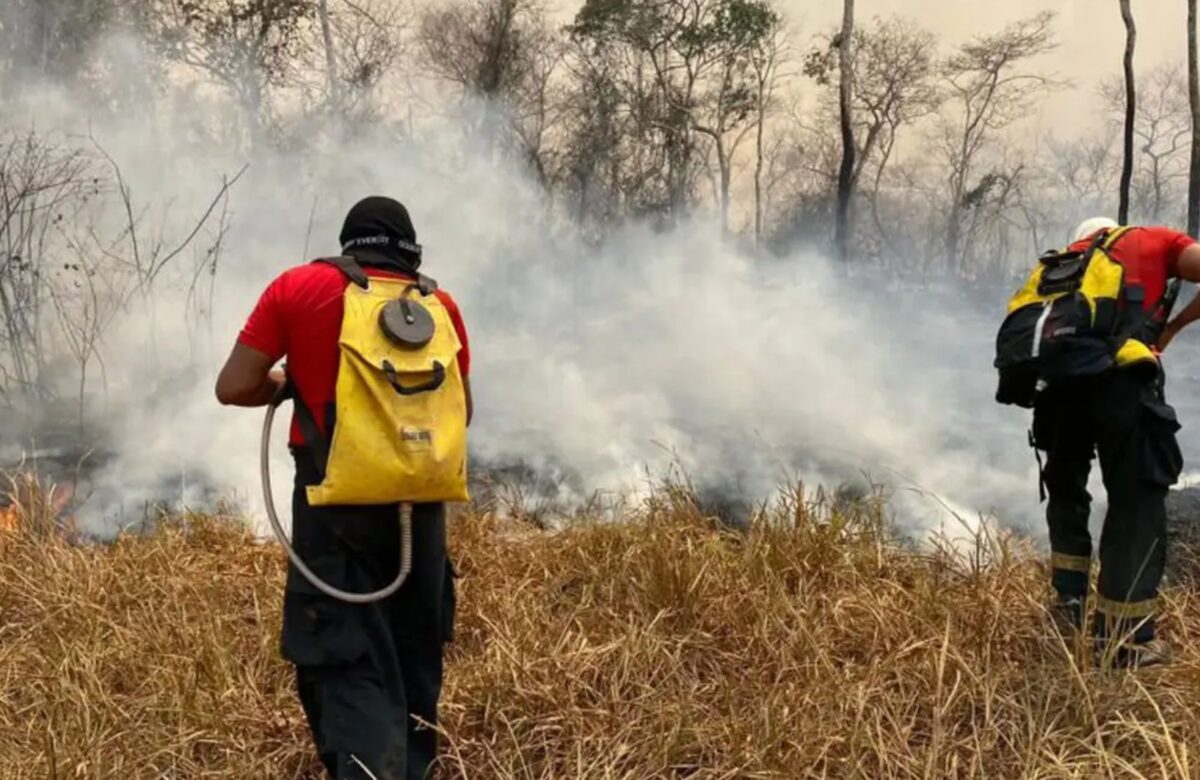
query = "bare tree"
x=147 y=258
x=478 y=44
x=370 y=38
x=364 y=42
x=51 y=38
x=845 y=188
x=202 y=287
x=65 y=275
x=536 y=107
x=42 y=186
x=505 y=52
x=597 y=123
x=893 y=87
x=1130 y=111
x=1162 y=127
x=66 y=43
x=989 y=89
x=765 y=62
x=87 y=299
x=990 y=210
x=248 y=46
x=683 y=68
x=725 y=108
x=1079 y=175
x=1193 y=219
x=802 y=175
x=331 y=58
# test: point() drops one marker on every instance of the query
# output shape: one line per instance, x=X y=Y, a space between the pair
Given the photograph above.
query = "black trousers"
x=369 y=676
x=1123 y=417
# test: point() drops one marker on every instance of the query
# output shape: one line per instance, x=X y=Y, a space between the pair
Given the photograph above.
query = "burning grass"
x=812 y=646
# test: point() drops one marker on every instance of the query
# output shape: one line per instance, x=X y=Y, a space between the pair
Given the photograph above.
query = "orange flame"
x=8 y=519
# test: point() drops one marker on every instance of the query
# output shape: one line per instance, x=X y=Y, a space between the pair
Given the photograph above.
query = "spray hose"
x=309 y=574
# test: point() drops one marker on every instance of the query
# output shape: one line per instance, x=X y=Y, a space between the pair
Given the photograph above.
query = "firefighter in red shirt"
x=1122 y=416
x=368 y=675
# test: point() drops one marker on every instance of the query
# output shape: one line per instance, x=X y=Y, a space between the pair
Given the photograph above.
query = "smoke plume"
x=605 y=363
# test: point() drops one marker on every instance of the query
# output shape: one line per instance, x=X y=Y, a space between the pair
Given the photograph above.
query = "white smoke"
x=606 y=363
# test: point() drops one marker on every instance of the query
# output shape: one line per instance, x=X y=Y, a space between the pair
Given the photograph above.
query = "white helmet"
x=1091 y=226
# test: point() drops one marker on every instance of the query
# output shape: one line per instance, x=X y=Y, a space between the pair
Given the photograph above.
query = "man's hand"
x=278 y=377
x=1188 y=270
x=1168 y=334
x=1190 y=314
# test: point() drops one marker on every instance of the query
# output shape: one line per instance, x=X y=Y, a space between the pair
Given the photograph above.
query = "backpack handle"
x=439 y=378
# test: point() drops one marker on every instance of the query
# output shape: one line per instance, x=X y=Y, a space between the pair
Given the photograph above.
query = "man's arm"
x=1189 y=270
x=247 y=378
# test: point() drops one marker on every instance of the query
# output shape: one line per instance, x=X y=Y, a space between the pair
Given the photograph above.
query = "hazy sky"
x=1090 y=32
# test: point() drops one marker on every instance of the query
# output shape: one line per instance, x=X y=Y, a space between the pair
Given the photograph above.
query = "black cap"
x=378 y=231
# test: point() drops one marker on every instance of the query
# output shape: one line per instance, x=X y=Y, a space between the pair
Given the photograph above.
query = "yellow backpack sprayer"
x=401 y=420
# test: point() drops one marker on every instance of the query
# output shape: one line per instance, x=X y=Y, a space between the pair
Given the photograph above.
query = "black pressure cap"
x=379 y=231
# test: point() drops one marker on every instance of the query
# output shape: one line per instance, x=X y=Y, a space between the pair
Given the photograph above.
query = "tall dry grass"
x=811 y=646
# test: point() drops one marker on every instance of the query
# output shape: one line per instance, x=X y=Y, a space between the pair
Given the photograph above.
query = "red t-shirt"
x=299 y=317
x=1150 y=256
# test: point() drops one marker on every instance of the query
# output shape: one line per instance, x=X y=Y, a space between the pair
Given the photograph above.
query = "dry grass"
x=812 y=646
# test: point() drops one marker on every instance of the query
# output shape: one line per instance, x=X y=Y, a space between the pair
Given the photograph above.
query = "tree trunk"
x=954 y=235
x=331 y=62
x=1156 y=173
x=846 y=173
x=726 y=172
x=884 y=157
x=15 y=341
x=758 y=166
x=82 y=410
x=250 y=94
x=766 y=63
x=1130 y=109
x=1194 y=94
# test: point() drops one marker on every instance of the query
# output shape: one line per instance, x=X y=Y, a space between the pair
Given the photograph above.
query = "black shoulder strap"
x=349 y=267
x=1112 y=236
x=1053 y=256
x=317 y=444
x=1166 y=304
x=355 y=273
x=1152 y=323
x=1099 y=241
x=426 y=285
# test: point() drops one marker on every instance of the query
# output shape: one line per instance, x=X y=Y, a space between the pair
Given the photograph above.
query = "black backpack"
x=1075 y=316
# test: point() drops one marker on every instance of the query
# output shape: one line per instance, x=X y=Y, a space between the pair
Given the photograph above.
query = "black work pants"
x=369 y=676
x=1123 y=417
